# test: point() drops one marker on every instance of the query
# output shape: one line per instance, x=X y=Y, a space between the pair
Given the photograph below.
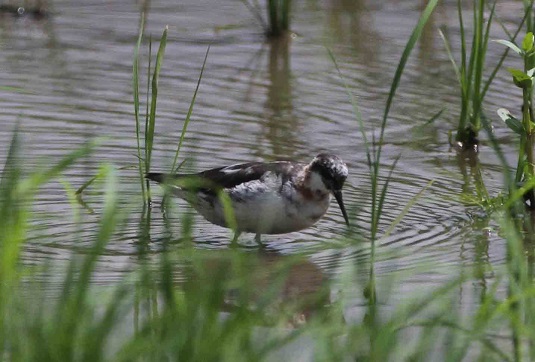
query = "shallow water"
x=69 y=79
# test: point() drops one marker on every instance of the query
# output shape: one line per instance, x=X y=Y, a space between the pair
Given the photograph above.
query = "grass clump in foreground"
x=173 y=319
x=232 y=305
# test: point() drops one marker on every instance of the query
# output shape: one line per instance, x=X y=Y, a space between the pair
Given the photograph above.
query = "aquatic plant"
x=150 y=113
x=517 y=227
x=524 y=128
x=470 y=73
x=528 y=9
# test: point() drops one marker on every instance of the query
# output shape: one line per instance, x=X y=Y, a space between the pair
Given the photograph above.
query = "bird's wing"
x=234 y=175
x=225 y=177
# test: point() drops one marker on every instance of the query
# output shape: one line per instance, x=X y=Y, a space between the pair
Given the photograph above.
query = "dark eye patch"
x=338 y=183
x=325 y=174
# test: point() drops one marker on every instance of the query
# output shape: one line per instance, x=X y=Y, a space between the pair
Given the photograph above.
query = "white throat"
x=315 y=183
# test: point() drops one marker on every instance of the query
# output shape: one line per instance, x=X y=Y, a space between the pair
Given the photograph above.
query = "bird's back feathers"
x=224 y=177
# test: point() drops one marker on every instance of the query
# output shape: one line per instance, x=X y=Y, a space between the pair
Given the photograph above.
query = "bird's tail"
x=184 y=182
x=172 y=183
x=157 y=176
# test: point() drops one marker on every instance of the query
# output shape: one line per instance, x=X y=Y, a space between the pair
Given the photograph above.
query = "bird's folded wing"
x=223 y=177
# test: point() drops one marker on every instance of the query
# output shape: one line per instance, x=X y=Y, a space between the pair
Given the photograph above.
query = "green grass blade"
x=98 y=336
x=108 y=224
x=509 y=184
x=13 y=219
x=474 y=51
x=486 y=33
x=16 y=194
x=463 y=36
x=378 y=200
x=382 y=197
x=356 y=108
x=426 y=14
x=190 y=111
x=450 y=56
x=517 y=194
x=478 y=62
x=149 y=137
x=86 y=184
x=135 y=79
x=465 y=83
x=74 y=307
x=434 y=117
x=498 y=66
x=147 y=103
x=528 y=8
x=228 y=211
x=10 y=173
x=405 y=210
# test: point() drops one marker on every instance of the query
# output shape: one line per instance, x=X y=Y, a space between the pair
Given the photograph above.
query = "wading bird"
x=266 y=197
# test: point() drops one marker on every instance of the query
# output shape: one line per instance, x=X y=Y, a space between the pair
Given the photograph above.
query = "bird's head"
x=333 y=173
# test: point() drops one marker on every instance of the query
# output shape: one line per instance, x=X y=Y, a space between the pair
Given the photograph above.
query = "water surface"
x=67 y=79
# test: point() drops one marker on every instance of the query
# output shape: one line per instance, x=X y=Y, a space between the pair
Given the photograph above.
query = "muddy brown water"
x=67 y=78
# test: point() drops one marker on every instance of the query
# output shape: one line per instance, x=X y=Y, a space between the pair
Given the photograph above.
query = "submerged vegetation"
x=238 y=304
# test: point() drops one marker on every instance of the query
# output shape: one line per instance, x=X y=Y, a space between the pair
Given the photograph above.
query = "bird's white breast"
x=268 y=206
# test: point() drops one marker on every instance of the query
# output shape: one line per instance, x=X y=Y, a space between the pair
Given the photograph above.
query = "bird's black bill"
x=338 y=196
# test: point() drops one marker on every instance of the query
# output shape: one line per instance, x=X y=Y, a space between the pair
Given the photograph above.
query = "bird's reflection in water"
x=279 y=284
